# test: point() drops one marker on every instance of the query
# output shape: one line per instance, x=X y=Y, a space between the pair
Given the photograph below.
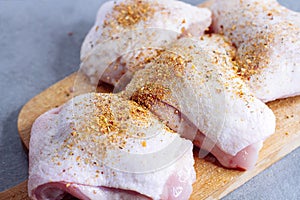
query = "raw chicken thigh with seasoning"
x=100 y=146
x=267 y=37
x=192 y=87
x=124 y=27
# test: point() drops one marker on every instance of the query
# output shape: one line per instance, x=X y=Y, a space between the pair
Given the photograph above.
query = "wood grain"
x=18 y=192
x=213 y=181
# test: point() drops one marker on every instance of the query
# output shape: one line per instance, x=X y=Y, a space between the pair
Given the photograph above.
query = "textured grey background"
x=36 y=51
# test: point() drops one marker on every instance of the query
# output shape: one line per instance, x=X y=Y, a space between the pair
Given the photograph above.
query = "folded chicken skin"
x=267 y=38
x=100 y=146
x=196 y=80
x=124 y=27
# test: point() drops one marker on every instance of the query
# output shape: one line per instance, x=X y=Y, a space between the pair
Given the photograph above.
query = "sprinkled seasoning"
x=182 y=30
x=144 y=143
x=143 y=58
x=101 y=129
x=105 y=121
x=255 y=28
x=127 y=14
x=149 y=94
x=173 y=61
x=138 y=113
x=170 y=130
x=74 y=133
x=96 y=132
x=132 y=12
x=254 y=57
x=78 y=158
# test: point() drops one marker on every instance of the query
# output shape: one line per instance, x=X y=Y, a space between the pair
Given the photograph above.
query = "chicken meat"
x=193 y=88
x=267 y=38
x=125 y=28
x=100 y=146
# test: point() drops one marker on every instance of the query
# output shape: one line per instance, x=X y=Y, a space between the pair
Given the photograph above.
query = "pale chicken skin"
x=194 y=82
x=267 y=37
x=124 y=27
x=100 y=146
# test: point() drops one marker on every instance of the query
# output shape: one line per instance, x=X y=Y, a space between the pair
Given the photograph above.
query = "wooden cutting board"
x=213 y=181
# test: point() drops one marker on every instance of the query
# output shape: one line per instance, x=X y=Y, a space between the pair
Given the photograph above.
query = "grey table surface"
x=36 y=51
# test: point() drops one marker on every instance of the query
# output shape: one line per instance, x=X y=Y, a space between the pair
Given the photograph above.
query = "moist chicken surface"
x=267 y=37
x=124 y=27
x=100 y=146
x=195 y=79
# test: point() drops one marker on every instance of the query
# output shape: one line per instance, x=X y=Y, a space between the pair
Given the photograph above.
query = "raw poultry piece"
x=267 y=37
x=192 y=87
x=100 y=146
x=124 y=27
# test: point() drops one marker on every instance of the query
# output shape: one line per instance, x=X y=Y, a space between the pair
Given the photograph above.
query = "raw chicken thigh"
x=267 y=37
x=100 y=146
x=192 y=86
x=125 y=27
